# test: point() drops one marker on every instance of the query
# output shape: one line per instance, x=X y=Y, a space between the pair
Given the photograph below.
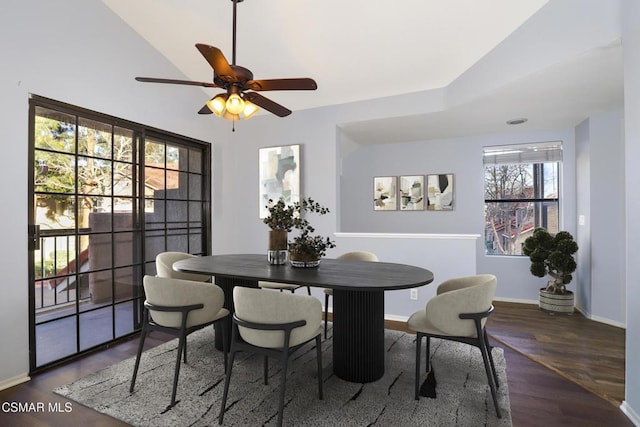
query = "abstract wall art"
x=440 y=192
x=385 y=193
x=412 y=193
x=279 y=169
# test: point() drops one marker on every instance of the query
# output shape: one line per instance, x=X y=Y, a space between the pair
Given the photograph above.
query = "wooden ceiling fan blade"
x=175 y=82
x=218 y=62
x=267 y=104
x=283 y=84
x=205 y=110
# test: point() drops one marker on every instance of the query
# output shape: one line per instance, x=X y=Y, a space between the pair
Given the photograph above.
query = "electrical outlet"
x=414 y=294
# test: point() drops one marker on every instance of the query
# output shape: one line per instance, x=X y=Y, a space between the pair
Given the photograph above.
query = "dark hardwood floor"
x=538 y=395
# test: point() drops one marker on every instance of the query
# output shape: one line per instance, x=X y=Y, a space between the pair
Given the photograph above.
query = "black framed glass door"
x=107 y=196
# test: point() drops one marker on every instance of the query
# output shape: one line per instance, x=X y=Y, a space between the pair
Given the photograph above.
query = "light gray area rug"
x=463 y=395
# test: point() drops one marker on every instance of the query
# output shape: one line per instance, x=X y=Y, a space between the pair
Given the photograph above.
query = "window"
x=520 y=194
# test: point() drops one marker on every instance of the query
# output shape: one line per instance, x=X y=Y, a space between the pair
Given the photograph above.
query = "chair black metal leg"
x=309 y=290
x=143 y=336
x=493 y=366
x=184 y=350
x=427 y=355
x=326 y=312
x=417 y=374
x=225 y=342
x=319 y=357
x=227 y=380
x=176 y=374
x=487 y=368
x=265 y=368
x=283 y=383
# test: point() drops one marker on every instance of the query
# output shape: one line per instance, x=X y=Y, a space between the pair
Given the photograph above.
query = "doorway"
x=106 y=197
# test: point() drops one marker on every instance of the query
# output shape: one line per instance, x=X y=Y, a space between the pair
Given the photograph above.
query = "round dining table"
x=358 y=300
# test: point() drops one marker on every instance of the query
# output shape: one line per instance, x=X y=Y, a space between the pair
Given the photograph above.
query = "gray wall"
x=631 y=44
x=77 y=52
x=463 y=158
x=601 y=277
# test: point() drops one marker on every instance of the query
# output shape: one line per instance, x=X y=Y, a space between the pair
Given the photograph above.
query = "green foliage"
x=280 y=215
x=283 y=217
x=552 y=255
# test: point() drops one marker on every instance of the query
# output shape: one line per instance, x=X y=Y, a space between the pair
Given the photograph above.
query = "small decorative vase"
x=277 y=252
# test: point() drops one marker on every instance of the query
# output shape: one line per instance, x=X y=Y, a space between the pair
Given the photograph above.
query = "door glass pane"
x=94 y=138
x=154 y=153
x=54 y=130
x=96 y=327
x=55 y=340
x=173 y=158
x=94 y=176
x=123 y=210
x=154 y=182
x=195 y=161
x=123 y=144
x=54 y=172
x=154 y=214
x=195 y=187
x=125 y=322
x=123 y=179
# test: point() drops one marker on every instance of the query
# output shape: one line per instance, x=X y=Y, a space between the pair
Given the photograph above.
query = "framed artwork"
x=440 y=192
x=279 y=169
x=384 y=193
x=411 y=193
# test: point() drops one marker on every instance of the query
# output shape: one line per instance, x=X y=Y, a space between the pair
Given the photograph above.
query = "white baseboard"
x=607 y=321
x=10 y=382
x=395 y=318
x=630 y=413
x=518 y=300
x=584 y=313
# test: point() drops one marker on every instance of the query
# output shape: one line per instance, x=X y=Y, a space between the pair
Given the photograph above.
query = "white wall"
x=77 y=52
x=631 y=50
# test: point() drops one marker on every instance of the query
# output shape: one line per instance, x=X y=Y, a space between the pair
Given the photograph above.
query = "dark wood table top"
x=332 y=273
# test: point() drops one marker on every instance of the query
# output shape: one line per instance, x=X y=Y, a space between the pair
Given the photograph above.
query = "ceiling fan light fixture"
x=217 y=104
x=231 y=117
x=249 y=109
x=235 y=104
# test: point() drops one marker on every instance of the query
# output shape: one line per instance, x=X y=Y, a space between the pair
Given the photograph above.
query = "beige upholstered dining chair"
x=180 y=307
x=164 y=267
x=273 y=324
x=458 y=312
x=355 y=256
x=282 y=286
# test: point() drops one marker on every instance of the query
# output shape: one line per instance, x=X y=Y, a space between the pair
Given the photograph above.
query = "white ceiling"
x=366 y=49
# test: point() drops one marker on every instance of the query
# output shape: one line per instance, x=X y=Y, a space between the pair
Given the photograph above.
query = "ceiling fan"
x=241 y=98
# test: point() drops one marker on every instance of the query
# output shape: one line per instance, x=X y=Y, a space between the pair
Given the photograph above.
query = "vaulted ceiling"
x=367 y=49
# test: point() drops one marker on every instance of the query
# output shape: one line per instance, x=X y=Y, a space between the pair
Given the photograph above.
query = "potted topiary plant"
x=306 y=250
x=553 y=255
